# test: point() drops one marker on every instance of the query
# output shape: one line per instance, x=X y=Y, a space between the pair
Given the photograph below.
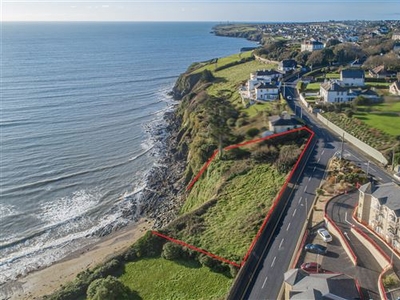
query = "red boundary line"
x=207 y=164
x=266 y=219
x=196 y=249
x=278 y=198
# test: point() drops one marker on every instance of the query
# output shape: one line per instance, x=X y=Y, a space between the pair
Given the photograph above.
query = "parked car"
x=312 y=267
x=316 y=248
x=324 y=234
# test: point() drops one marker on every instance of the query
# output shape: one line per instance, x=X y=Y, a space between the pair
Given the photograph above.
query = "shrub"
x=109 y=288
x=171 y=251
x=252 y=132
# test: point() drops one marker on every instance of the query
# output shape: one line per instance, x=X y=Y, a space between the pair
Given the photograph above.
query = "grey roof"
x=333 y=86
x=321 y=286
x=388 y=194
x=263 y=85
x=267 y=72
x=288 y=63
x=353 y=73
x=279 y=121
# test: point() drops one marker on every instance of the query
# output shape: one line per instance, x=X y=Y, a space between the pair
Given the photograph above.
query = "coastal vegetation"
x=239 y=185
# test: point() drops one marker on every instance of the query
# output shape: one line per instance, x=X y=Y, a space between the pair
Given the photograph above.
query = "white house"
x=266 y=75
x=394 y=88
x=332 y=92
x=352 y=77
x=311 y=45
x=266 y=91
x=396 y=35
x=283 y=123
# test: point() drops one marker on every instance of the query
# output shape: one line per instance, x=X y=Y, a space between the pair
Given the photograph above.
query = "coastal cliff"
x=246 y=31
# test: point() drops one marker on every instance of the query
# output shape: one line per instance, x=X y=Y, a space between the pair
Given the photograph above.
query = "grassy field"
x=383 y=116
x=228 y=80
x=313 y=86
x=243 y=194
x=163 y=279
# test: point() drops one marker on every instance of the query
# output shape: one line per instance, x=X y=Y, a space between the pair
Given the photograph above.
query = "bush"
x=171 y=251
x=241 y=122
x=109 y=288
x=147 y=246
x=252 y=132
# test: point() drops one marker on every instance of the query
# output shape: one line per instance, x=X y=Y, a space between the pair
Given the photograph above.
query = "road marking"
x=288 y=227
x=280 y=244
x=318 y=160
x=265 y=280
x=347 y=236
x=294 y=212
x=314 y=168
x=300 y=199
x=273 y=262
x=305 y=188
x=322 y=153
x=309 y=178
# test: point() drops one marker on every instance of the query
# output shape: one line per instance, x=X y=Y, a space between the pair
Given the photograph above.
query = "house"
x=311 y=45
x=379 y=208
x=302 y=285
x=266 y=75
x=287 y=65
x=332 y=92
x=396 y=35
x=266 y=91
x=381 y=72
x=394 y=88
x=358 y=62
x=283 y=123
x=352 y=77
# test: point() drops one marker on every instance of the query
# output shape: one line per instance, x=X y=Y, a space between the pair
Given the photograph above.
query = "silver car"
x=325 y=235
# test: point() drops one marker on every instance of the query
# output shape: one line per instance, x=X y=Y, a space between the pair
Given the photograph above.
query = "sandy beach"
x=45 y=281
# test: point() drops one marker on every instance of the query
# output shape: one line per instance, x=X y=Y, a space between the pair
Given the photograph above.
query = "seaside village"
x=349 y=83
x=379 y=206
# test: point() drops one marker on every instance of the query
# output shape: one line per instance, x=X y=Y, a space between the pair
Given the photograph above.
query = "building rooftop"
x=388 y=194
x=352 y=73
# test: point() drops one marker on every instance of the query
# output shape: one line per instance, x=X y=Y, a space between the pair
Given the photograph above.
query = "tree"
x=109 y=288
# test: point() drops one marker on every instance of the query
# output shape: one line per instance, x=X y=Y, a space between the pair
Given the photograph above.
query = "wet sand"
x=45 y=281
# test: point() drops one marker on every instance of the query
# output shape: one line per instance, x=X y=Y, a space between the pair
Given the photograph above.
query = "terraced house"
x=379 y=208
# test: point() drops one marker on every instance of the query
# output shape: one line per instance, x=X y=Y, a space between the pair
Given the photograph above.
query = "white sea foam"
x=67 y=208
x=7 y=210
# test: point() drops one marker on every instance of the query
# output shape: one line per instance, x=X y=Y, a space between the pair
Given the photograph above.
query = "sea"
x=82 y=108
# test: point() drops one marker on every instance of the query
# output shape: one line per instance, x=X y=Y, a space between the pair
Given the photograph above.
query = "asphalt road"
x=268 y=277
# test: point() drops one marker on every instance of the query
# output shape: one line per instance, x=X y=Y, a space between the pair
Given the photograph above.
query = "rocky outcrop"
x=188 y=82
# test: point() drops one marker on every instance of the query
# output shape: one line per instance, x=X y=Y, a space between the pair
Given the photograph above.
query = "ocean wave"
x=7 y=210
x=44 y=182
x=66 y=232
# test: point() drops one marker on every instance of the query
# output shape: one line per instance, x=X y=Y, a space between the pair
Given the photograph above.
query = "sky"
x=205 y=10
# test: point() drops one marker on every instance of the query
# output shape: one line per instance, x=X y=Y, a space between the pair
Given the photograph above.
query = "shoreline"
x=45 y=281
x=157 y=207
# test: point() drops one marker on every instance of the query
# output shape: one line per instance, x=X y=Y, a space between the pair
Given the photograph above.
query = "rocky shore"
x=162 y=196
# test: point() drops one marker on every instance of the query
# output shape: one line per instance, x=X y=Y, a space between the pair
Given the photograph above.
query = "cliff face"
x=249 y=32
x=188 y=82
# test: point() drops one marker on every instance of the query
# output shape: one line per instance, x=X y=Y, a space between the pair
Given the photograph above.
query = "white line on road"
x=265 y=280
x=305 y=188
x=300 y=199
x=322 y=153
x=288 y=227
x=280 y=244
x=273 y=262
x=314 y=169
x=309 y=178
x=294 y=212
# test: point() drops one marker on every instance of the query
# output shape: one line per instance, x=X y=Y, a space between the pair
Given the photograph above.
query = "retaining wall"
x=355 y=141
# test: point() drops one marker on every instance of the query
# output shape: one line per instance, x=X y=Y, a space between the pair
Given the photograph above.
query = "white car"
x=325 y=235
